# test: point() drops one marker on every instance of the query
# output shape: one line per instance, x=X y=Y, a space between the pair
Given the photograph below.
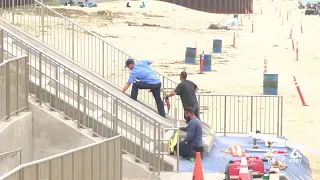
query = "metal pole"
x=72 y=42
x=154 y=145
x=42 y=22
x=281 y=120
x=159 y=137
x=115 y=121
x=8 y=91
x=78 y=101
x=176 y=125
x=27 y=80
x=17 y=85
x=40 y=79
x=251 y=122
x=1 y=46
x=141 y=136
x=225 y=116
x=103 y=59
x=199 y=102
x=20 y=156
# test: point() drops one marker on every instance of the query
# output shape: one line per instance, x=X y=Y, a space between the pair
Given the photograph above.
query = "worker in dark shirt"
x=193 y=141
x=187 y=91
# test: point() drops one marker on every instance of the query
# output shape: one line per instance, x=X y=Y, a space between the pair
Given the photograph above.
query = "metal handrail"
x=5 y=64
x=55 y=157
x=12 y=59
x=157 y=126
x=14 y=152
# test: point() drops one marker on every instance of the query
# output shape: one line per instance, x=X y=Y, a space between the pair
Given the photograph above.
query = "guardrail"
x=13 y=86
x=102 y=160
x=94 y=53
x=240 y=114
x=89 y=105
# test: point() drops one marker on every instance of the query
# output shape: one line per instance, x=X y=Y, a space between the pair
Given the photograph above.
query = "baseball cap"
x=128 y=62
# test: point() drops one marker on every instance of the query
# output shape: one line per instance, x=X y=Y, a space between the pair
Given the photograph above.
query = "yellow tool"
x=173 y=141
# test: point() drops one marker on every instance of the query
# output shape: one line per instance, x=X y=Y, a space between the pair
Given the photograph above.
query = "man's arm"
x=177 y=91
x=131 y=79
x=125 y=87
x=190 y=132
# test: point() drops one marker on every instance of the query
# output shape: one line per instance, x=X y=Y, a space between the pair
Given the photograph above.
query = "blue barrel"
x=270 y=84
x=217 y=46
x=207 y=62
x=190 y=55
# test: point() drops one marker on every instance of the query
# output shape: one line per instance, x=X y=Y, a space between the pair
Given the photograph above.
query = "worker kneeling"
x=193 y=141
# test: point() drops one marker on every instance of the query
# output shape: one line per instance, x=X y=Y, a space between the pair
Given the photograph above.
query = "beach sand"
x=235 y=71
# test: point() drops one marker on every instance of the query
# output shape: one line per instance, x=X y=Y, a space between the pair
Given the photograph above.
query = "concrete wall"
x=52 y=134
x=15 y=134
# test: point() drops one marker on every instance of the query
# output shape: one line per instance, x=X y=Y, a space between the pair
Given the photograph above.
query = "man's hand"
x=125 y=87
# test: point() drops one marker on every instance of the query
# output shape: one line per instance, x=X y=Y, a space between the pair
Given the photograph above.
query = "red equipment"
x=166 y=102
x=256 y=164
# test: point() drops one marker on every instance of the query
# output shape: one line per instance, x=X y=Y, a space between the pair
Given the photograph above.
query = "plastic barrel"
x=217 y=46
x=190 y=55
x=270 y=84
x=207 y=62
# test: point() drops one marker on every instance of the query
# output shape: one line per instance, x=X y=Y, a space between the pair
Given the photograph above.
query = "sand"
x=235 y=71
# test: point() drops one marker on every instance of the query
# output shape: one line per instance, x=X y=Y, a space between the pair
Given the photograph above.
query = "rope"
x=224 y=159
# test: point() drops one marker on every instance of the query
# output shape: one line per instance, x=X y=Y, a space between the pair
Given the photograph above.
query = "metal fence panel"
x=240 y=114
x=88 y=49
x=13 y=86
x=89 y=105
x=80 y=164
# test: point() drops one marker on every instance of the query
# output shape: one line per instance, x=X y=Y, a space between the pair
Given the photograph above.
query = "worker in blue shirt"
x=193 y=141
x=142 y=76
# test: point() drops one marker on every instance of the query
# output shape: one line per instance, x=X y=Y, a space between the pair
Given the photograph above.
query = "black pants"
x=186 y=151
x=155 y=89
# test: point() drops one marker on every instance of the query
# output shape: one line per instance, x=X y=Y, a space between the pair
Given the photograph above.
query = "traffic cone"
x=197 y=170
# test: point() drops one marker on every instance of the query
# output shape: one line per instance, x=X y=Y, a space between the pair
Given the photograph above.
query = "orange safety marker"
x=197 y=170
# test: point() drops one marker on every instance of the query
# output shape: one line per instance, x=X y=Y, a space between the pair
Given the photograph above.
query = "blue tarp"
x=215 y=161
x=306 y=1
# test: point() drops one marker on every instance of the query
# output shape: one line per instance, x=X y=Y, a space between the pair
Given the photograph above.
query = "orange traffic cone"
x=197 y=171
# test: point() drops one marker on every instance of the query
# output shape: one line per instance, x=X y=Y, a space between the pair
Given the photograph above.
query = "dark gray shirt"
x=186 y=90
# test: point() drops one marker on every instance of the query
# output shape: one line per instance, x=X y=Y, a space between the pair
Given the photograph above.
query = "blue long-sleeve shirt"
x=194 y=133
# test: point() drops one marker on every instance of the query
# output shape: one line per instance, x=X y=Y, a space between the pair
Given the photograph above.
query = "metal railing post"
x=27 y=81
x=154 y=145
x=78 y=101
x=40 y=79
x=17 y=86
x=199 y=104
x=42 y=22
x=115 y=117
x=13 y=11
x=72 y=48
x=121 y=152
x=141 y=137
x=8 y=88
x=281 y=117
x=57 y=87
x=225 y=117
x=1 y=46
x=251 y=115
x=159 y=139
x=103 y=59
x=176 y=126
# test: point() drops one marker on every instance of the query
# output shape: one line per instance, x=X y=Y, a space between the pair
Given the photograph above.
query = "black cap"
x=128 y=62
